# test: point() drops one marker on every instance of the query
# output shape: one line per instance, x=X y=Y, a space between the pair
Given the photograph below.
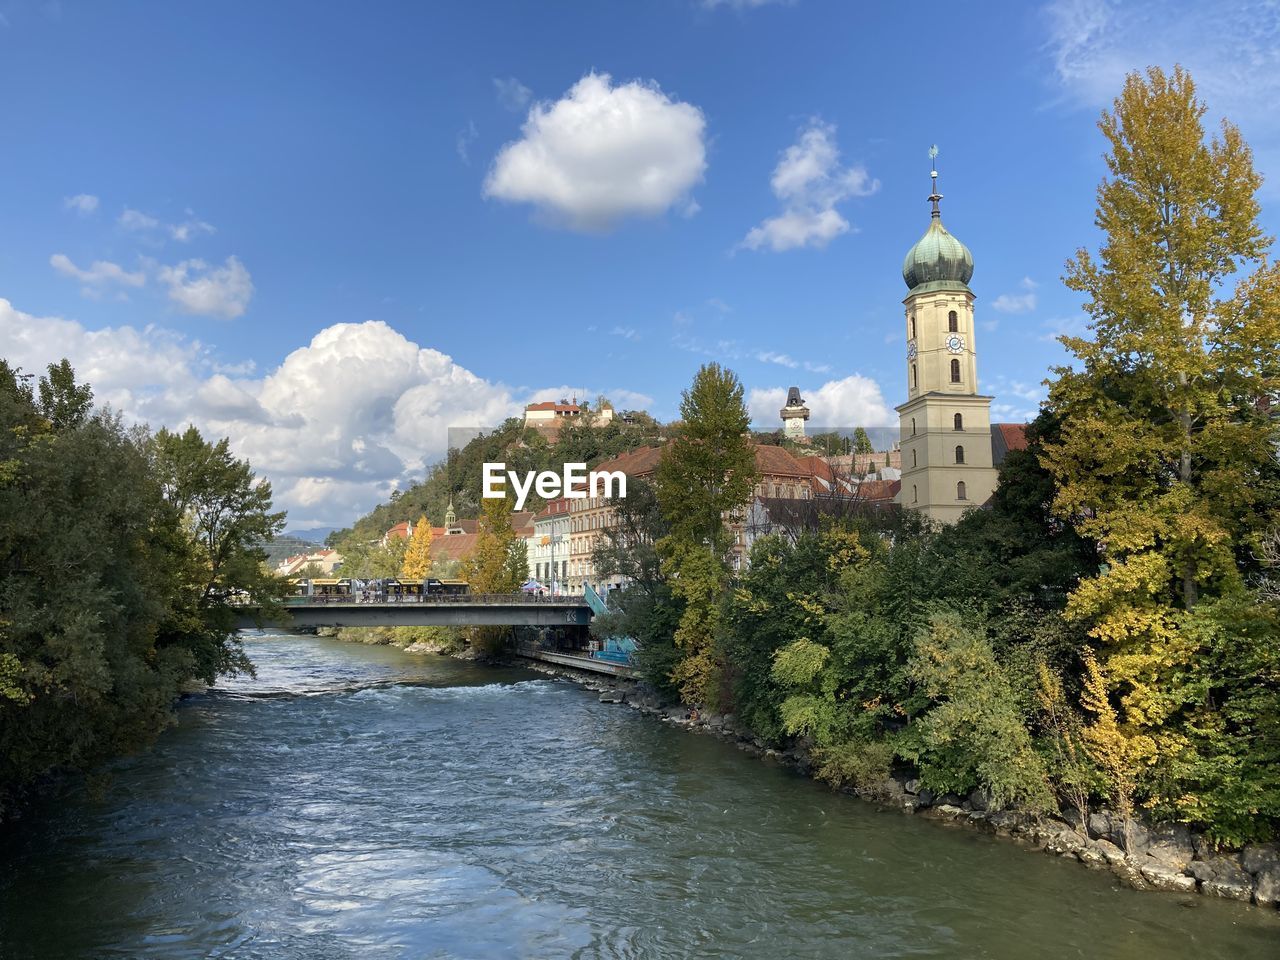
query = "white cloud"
x=810 y=182
x=100 y=272
x=512 y=94
x=466 y=136
x=208 y=291
x=626 y=333
x=603 y=153
x=1023 y=302
x=137 y=220
x=82 y=203
x=336 y=426
x=1230 y=47
x=855 y=401
x=769 y=356
x=185 y=231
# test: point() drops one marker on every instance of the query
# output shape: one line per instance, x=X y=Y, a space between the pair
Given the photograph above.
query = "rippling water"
x=359 y=802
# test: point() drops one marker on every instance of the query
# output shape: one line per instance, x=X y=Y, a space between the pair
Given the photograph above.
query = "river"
x=357 y=801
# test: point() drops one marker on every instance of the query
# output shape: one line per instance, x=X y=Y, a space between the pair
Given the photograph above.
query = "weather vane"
x=935 y=196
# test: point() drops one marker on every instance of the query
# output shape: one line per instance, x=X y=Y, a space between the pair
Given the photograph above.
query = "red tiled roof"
x=456 y=547
x=1014 y=434
x=552 y=405
x=875 y=490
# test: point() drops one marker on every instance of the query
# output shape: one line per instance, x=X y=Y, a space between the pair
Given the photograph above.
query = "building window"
x=959 y=454
x=913 y=426
x=953 y=322
x=914 y=498
x=955 y=371
x=913 y=328
x=913 y=458
x=960 y=491
x=915 y=379
x=959 y=422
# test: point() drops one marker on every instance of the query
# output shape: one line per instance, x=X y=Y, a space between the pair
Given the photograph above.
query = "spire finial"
x=935 y=196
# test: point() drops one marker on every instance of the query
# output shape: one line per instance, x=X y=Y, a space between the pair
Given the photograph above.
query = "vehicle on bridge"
x=377 y=590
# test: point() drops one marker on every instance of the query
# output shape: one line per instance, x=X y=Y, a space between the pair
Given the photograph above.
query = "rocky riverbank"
x=1167 y=857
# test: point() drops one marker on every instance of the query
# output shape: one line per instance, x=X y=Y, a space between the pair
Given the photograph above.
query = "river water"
x=357 y=801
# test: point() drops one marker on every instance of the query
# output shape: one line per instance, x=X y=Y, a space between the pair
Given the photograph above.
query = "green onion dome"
x=937 y=256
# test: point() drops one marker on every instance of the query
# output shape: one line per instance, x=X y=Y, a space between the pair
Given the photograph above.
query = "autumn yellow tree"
x=417 y=558
x=497 y=564
x=1166 y=456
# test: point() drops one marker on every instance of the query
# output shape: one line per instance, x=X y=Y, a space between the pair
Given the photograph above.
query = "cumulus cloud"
x=82 y=203
x=188 y=229
x=1023 y=302
x=1231 y=48
x=512 y=94
x=466 y=136
x=745 y=4
x=136 y=220
x=854 y=401
x=336 y=426
x=603 y=153
x=208 y=291
x=98 y=273
x=810 y=182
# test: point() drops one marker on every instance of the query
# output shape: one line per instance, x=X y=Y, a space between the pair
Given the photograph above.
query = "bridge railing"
x=499 y=599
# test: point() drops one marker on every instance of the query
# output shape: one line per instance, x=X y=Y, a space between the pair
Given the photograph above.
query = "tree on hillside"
x=707 y=473
x=417 y=556
x=862 y=442
x=1166 y=452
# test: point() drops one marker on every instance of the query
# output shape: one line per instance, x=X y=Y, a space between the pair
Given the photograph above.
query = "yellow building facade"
x=945 y=422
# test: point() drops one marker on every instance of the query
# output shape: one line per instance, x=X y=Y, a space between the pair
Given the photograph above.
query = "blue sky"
x=331 y=231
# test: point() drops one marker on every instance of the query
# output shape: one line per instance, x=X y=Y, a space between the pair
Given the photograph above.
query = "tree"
x=862 y=442
x=226 y=514
x=707 y=473
x=417 y=557
x=1166 y=452
x=497 y=565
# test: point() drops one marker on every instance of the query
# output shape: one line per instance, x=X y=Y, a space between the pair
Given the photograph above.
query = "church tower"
x=945 y=422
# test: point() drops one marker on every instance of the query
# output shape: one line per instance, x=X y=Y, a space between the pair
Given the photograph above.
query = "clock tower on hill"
x=945 y=422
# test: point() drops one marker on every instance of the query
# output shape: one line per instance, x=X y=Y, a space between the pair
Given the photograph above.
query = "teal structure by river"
x=357 y=801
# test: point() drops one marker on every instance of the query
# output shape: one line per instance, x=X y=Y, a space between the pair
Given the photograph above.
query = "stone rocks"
x=1170 y=843
x=1266 y=887
x=980 y=798
x=1222 y=876
x=1161 y=876
x=925 y=797
x=676 y=713
x=613 y=696
x=1109 y=850
x=1257 y=857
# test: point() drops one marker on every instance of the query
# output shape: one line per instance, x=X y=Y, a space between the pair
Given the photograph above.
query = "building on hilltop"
x=548 y=546
x=946 y=435
x=794 y=415
x=550 y=416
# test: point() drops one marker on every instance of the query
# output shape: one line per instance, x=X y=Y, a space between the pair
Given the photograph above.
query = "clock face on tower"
x=955 y=343
x=911 y=349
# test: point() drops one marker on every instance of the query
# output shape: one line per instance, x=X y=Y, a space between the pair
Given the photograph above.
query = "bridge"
x=467 y=610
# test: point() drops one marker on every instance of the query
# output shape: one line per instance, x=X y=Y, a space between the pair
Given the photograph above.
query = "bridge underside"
x=428 y=615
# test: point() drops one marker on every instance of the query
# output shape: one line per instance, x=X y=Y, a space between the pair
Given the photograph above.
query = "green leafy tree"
x=1166 y=453
x=862 y=442
x=707 y=473
x=973 y=734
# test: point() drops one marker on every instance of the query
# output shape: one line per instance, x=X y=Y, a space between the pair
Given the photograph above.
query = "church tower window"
x=955 y=371
x=915 y=378
x=959 y=422
x=914 y=498
x=913 y=459
x=960 y=494
x=959 y=454
x=953 y=322
x=913 y=327
x=913 y=426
